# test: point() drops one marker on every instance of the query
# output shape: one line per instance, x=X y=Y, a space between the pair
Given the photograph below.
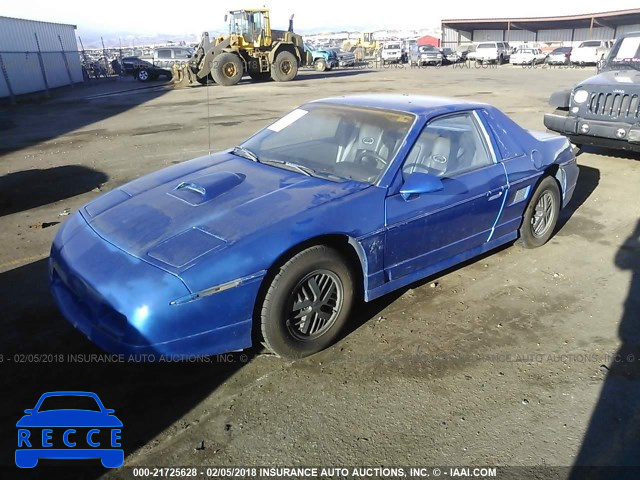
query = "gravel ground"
x=508 y=360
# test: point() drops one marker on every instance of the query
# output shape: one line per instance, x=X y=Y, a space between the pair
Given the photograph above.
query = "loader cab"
x=252 y=26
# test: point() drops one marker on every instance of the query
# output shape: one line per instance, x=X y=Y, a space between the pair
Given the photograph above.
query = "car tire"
x=541 y=215
x=320 y=65
x=285 y=67
x=144 y=75
x=227 y=69
x=319 y=277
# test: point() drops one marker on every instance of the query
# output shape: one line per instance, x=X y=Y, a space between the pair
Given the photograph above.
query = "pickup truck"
x=322 y=59
x=590 y=52
x=492 y=52
x=159 y=64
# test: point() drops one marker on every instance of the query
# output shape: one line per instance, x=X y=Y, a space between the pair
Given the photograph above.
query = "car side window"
x=164 y=53
x=447 y=147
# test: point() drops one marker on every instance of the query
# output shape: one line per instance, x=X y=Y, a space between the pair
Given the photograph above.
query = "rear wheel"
x=307 y=303
x=227 y=69
x=541 y=214
x=144 y=75
x=285 y=67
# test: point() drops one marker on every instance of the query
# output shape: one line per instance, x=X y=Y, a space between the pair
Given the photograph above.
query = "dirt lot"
x=505 y=361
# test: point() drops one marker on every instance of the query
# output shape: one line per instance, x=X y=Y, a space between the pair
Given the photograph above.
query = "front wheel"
x=541 y=215
x=320 y=65
x=285 y=67
x=307 y=303
x=227 y=69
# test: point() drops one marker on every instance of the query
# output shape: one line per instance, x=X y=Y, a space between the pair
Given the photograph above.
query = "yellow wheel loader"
x=251 y=48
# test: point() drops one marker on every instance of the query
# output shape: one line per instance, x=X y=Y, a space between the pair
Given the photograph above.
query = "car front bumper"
x=599 y=133
x=127 y=306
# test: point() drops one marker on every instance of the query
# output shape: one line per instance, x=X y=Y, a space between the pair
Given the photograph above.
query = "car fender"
x=560 y=99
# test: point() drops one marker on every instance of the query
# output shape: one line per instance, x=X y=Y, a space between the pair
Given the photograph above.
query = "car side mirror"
x=226 y=17
x=29 y=411
x=109 y=411
x=599 y=65
x=418 y=183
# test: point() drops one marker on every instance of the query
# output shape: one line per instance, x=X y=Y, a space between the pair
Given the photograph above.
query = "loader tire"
x=285 y=67
x=227 y=69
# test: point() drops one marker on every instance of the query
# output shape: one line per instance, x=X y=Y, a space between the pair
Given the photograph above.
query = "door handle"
x=495 y=194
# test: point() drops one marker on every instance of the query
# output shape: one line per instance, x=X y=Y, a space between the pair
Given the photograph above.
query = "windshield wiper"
x=308 y=171
x=246 y=153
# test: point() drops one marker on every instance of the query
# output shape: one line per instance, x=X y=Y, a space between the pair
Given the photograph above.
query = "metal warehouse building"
x=569 y=30
x=37 y=56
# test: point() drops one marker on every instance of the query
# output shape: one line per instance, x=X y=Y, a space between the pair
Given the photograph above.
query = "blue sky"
x=195 y=16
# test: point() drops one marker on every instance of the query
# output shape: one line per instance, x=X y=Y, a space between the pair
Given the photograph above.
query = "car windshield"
x=428 y=48
x=625 y=54
x=69 y=402
x=526 y=50
x=392 y=46
x=335 y=142
x=562 y=50
x=487 y=45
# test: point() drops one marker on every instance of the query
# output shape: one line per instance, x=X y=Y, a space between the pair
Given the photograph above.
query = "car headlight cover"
x=580 y=96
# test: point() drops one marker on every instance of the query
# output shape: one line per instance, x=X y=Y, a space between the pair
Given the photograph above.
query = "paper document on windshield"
x=287 y=120
x=629 y=49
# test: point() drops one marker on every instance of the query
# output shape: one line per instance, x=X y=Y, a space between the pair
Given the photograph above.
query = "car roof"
x=421 y=105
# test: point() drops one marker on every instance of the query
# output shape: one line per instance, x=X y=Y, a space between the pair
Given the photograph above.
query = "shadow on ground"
x=28 y=124
x=588 y=180
x=27 y=189
x=611 y=446
x=36 y=349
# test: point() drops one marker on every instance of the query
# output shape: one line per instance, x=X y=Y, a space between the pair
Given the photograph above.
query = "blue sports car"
x=275 y=239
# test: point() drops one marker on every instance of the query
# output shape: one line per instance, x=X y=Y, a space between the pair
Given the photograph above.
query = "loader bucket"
x=181 y=76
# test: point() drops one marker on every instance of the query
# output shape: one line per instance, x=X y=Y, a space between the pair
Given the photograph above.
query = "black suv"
x=603 y=110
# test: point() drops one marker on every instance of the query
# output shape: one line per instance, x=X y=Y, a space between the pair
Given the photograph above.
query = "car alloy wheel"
x=316 y=302
x=543 y=216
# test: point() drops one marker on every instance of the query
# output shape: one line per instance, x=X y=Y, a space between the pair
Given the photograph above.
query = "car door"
x=426 y=229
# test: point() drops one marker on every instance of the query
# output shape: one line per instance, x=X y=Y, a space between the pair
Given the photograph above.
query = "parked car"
x=603 y=110
x=322 y=59
x=559 y=56
x=451 y=56
x=146 y=69
x=591 y=52
x=425 y=55
x=392 y=53
x=345 y=59
x=493 y=52
x=343 y=198
x=528 y=56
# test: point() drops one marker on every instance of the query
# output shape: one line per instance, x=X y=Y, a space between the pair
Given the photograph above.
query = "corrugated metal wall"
x=519 y=36
x=555 y=35
x=627 y=28
x=19 y=51
x=451 y=37
x=595 y=33
x=487 y=35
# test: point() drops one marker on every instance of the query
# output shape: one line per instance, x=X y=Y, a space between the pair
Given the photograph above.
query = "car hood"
x=69 y=418
x=623 y=79
x=204 y=205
